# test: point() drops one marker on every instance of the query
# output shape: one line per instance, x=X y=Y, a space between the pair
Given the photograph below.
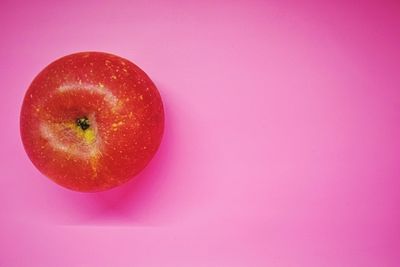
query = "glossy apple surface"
x=91 y=121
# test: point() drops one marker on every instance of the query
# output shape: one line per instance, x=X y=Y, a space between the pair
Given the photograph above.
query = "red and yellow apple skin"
x=91 y=121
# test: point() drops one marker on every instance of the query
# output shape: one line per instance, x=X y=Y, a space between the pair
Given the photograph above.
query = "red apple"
x=91 y=121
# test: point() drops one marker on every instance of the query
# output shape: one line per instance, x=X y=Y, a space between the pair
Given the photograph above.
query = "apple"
x=91 y=121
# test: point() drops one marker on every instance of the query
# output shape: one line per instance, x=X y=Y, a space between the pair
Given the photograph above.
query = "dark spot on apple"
x=83 y=123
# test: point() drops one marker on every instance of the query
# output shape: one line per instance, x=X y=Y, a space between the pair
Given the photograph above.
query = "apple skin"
x=91 y=121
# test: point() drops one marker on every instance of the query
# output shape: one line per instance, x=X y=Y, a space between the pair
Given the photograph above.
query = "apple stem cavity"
x=83 y=123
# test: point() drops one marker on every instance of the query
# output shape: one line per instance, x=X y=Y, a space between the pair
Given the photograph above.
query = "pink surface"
x=282 y=134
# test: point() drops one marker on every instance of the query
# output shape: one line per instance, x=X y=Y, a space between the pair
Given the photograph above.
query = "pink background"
x=282 y=143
